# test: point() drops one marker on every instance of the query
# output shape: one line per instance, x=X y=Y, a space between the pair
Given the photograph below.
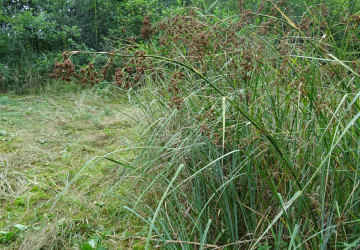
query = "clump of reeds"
x=253 y=130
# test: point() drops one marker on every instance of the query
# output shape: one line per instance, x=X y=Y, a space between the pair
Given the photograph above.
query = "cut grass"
x=45 y=140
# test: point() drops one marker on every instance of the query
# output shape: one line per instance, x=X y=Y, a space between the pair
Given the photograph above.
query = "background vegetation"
x=248 y=133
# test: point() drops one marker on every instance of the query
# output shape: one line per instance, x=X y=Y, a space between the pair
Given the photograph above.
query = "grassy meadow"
x=215 y=132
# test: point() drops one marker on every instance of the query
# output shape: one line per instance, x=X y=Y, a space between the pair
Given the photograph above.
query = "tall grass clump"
x=29 y=76
x=251 y=129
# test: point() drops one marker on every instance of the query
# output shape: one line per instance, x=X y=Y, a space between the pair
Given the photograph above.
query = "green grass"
x=45 y=140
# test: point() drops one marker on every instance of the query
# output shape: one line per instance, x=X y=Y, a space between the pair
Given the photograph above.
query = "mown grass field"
x=44 y=141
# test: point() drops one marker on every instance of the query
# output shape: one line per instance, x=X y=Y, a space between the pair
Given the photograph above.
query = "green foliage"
x=7 y=237
x=93 y=244
x=28 y=36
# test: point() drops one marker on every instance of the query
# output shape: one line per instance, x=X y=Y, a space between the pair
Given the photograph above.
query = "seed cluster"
x=108 y=66
x=65 y=70
x=128 y=76
x=89 y=75
x=133 y=71
x=198 y=38
x=176 y=100
x=146 y=30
